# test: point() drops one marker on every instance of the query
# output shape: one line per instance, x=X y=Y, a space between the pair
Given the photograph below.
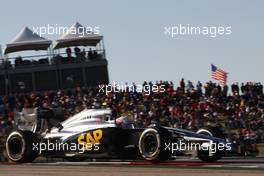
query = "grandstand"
x=54 y=70
x=239 y=114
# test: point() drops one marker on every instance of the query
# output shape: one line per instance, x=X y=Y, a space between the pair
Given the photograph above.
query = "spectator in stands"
x=208 y=88
x=77 y=51
x=68 y=52
x=189 y=86
x=225 y=90
x=199 y=85
x=95 y=54
x=182 y=85
x=18 y=61
x=90 y=54
x=83 y=53
x=242 y=88
x=235 y=88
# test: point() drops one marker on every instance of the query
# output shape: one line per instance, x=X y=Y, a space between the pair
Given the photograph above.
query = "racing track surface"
x=28 y=170
x=241 y=167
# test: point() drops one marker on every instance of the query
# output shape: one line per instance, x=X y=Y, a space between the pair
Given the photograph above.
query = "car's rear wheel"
x=20 y=148
x=152 y=144
x=205 y=155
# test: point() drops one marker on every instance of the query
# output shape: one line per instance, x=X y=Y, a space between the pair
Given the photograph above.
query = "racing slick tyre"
x=20 y=148
x=204 y=154
x=152 y=144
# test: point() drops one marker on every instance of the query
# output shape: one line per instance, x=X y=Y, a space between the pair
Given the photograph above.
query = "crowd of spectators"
x=238 y=111
x=78 y=54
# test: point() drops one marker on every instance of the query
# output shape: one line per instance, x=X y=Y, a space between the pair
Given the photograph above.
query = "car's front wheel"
x=152 y=144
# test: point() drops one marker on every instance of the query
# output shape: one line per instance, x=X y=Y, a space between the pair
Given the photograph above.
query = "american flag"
x=219 y=75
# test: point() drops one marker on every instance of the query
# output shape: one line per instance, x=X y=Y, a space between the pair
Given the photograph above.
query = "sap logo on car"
x=91 y=140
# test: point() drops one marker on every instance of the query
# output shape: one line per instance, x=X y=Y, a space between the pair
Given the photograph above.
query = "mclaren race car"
x=95 y=133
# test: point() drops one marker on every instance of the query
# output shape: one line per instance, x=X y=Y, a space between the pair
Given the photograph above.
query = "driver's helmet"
x=122 y=121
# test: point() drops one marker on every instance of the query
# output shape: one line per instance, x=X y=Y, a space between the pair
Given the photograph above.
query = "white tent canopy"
x=27 y=40
x=77 y=36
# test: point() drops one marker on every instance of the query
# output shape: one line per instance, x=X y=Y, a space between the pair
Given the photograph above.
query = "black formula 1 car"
x=94 y=133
